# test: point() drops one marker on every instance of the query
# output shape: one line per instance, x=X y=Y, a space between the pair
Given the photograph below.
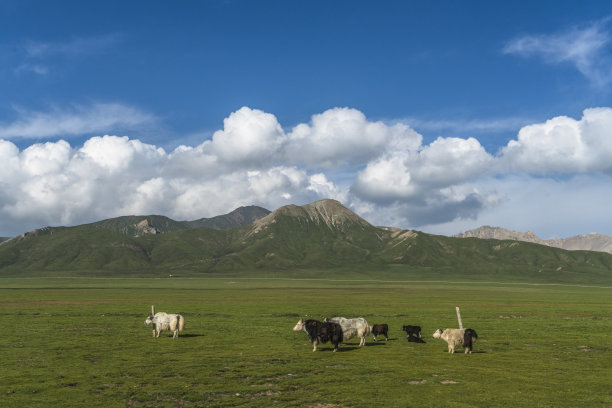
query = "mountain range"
x=321 y=236
x=590 y=242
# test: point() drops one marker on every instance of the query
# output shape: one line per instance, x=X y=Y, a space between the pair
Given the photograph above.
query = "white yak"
x=165 y=321
x=456 y=338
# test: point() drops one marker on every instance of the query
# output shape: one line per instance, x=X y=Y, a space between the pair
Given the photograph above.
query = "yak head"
x=299 y=326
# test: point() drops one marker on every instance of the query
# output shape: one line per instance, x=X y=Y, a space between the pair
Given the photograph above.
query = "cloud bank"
x=382 y=171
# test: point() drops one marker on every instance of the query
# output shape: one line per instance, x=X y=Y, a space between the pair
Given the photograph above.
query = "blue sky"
x=439 y=116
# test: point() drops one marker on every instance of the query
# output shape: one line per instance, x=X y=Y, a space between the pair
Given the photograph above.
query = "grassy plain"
x=79 y=342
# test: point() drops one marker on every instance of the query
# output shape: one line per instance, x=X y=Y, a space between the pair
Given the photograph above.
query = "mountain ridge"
x=590 y=242
x=320 y=236
x=139 y=225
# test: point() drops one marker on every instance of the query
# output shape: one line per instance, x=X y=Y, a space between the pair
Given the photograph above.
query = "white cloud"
x=563 y=145
x=448 y=161
x=248 y=136
x=343 y=136
x=385 y=179
x=382 y=171
x=584 y=47
x=75 y=121
x=118 y=154
x=40 y=159
x=422 y=176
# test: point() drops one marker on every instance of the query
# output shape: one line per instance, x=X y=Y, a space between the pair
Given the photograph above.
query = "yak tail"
x=181 y=322
x=469 y=337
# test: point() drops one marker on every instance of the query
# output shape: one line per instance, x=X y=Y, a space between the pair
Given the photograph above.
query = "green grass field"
x=82 y=342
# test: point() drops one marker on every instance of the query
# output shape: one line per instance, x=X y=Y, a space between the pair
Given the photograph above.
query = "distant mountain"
x=157 y=224
x=136 y=226
x=487 y=232
x=321 y=236
x=590 y=242
x=238 y=218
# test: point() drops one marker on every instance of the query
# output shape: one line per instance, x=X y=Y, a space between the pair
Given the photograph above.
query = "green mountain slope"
x=239 y=217
x=157 y=224
x=319 y=236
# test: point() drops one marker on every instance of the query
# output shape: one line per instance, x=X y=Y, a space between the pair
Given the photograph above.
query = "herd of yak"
x=339 y=329
x=335 y=330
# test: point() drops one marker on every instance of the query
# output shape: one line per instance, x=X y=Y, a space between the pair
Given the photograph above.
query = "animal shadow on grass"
x=462 y=352
x=191 y=335
x=344 y=348
x=383 y=340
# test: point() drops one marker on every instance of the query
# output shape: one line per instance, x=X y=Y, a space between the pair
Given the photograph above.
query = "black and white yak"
x=357 y=327
x=457 y=337
x=321 y=332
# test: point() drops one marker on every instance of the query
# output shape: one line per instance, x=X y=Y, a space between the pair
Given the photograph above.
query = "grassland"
x=81 y=342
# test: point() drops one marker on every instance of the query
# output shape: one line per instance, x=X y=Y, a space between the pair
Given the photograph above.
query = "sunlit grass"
x=83 y=342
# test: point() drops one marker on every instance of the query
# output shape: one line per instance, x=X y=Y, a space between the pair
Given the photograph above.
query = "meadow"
x=78 y=342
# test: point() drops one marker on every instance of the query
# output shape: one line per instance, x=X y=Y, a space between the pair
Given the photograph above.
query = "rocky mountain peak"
x=329 y=212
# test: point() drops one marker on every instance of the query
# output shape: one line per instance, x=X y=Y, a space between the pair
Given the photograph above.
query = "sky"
x=439 y=116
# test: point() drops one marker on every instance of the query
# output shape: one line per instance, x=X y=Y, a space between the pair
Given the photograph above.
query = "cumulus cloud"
x=344 y=136
x=248 y=136
x=426 y=185
x=584 y=47
x=563 y=145
x=383 y=171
